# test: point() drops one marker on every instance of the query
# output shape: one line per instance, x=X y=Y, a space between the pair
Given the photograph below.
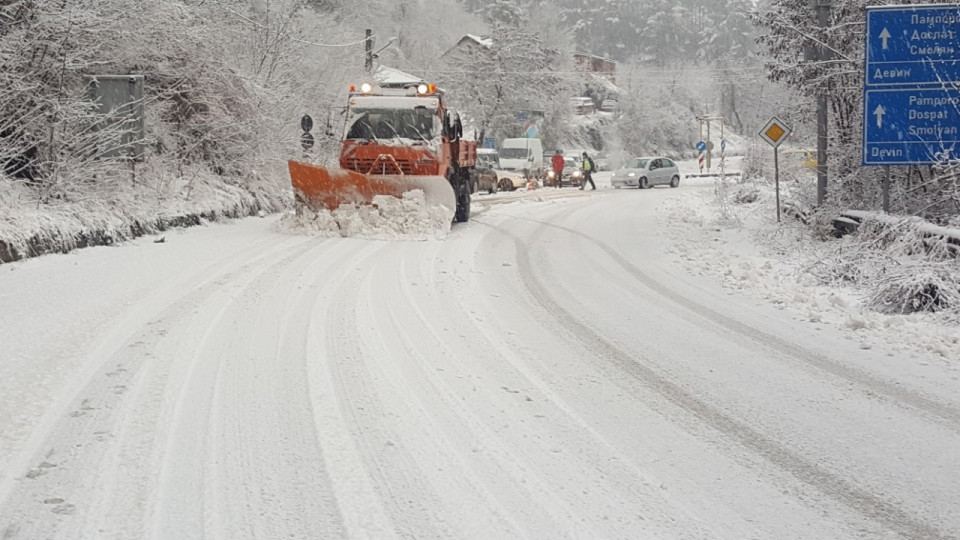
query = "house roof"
x=602 y=81
x=479 y=40
x=588 y=55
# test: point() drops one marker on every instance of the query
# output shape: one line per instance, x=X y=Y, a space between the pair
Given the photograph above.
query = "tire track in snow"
x=185 y=476
x=834 y=487
x=79 y=430
x=353 y=351
x=99 y=433
x=630 y=502
x=350 y=416
x=265 y=455
x=460 y=431
x=942 y=413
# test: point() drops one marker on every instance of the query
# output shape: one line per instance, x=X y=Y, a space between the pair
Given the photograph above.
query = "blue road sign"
x=912 y=45
x=723 y=144
x=701 y=146
x=910 y=126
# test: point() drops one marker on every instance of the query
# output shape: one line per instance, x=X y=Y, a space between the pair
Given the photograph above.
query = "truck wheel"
x=462 y=188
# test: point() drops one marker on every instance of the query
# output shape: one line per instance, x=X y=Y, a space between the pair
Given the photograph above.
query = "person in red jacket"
x=557 y=162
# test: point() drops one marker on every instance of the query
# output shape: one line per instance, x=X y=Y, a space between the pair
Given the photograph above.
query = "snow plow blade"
x=319 y=187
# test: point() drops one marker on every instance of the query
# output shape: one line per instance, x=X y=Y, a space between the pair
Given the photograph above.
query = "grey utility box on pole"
x=119 y=100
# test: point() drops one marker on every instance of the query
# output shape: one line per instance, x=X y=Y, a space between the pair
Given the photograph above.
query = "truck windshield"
x=514 y=153
x=373 y=124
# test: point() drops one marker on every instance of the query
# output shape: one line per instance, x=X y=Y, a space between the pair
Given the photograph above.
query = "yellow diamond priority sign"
x=775 y=132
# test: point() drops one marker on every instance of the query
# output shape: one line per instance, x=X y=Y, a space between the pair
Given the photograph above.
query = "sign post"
x=723 y=146
x=701 y=148
x=775 y=132
x=306 y=139
x=911 y=102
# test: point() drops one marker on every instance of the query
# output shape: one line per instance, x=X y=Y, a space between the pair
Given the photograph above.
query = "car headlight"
x=631 y=175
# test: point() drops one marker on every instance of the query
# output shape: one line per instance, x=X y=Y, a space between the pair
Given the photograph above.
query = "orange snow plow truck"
x=396 y=139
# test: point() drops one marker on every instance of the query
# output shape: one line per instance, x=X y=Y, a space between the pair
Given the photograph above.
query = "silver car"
x=645 y=172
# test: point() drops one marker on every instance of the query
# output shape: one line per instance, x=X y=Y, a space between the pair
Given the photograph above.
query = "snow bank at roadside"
x=388 y=218
x=743 y=247
x=115 y=211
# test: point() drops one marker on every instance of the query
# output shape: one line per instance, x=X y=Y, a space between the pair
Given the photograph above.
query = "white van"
x=522 y=155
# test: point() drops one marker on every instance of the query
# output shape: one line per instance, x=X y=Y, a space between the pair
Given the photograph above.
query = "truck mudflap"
x=322 y=188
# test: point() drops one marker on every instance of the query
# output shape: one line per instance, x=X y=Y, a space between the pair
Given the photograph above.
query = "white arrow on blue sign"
x=701 y=146
x=912 y=45
x=911 y=126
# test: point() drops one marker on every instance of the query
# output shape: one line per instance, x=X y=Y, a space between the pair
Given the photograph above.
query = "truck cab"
x=396 y=139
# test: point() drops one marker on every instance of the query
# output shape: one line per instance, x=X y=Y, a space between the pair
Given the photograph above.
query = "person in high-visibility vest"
x=587 y=166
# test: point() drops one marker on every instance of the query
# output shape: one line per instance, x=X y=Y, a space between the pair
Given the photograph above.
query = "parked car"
x=488 y=158
x=485 y=172
x=601 y=161
x=804 y=157
x=510 y=180
x=571 y=176
x=609 y=105
x=582 y=105
x=645 y=172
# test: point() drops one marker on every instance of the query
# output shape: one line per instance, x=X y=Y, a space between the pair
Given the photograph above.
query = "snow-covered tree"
x=505 y=78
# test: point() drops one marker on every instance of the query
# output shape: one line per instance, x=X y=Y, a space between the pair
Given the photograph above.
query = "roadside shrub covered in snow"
x=901 y=268
x=898 y=265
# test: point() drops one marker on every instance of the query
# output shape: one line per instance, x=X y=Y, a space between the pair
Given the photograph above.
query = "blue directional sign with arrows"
x=911 y=126
x=911 y=98
x=912 y=45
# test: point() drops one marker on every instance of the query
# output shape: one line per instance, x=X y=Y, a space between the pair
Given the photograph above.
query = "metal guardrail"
x=728 y=174
x=849 y=221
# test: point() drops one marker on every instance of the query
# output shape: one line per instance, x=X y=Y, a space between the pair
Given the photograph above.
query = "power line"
x=641 y=73
x=294 y=38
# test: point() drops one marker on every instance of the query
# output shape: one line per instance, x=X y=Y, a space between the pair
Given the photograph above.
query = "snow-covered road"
x=545 y=372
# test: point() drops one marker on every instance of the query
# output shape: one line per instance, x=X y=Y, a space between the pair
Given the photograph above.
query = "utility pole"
x=823 y=54
x=368 y=45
